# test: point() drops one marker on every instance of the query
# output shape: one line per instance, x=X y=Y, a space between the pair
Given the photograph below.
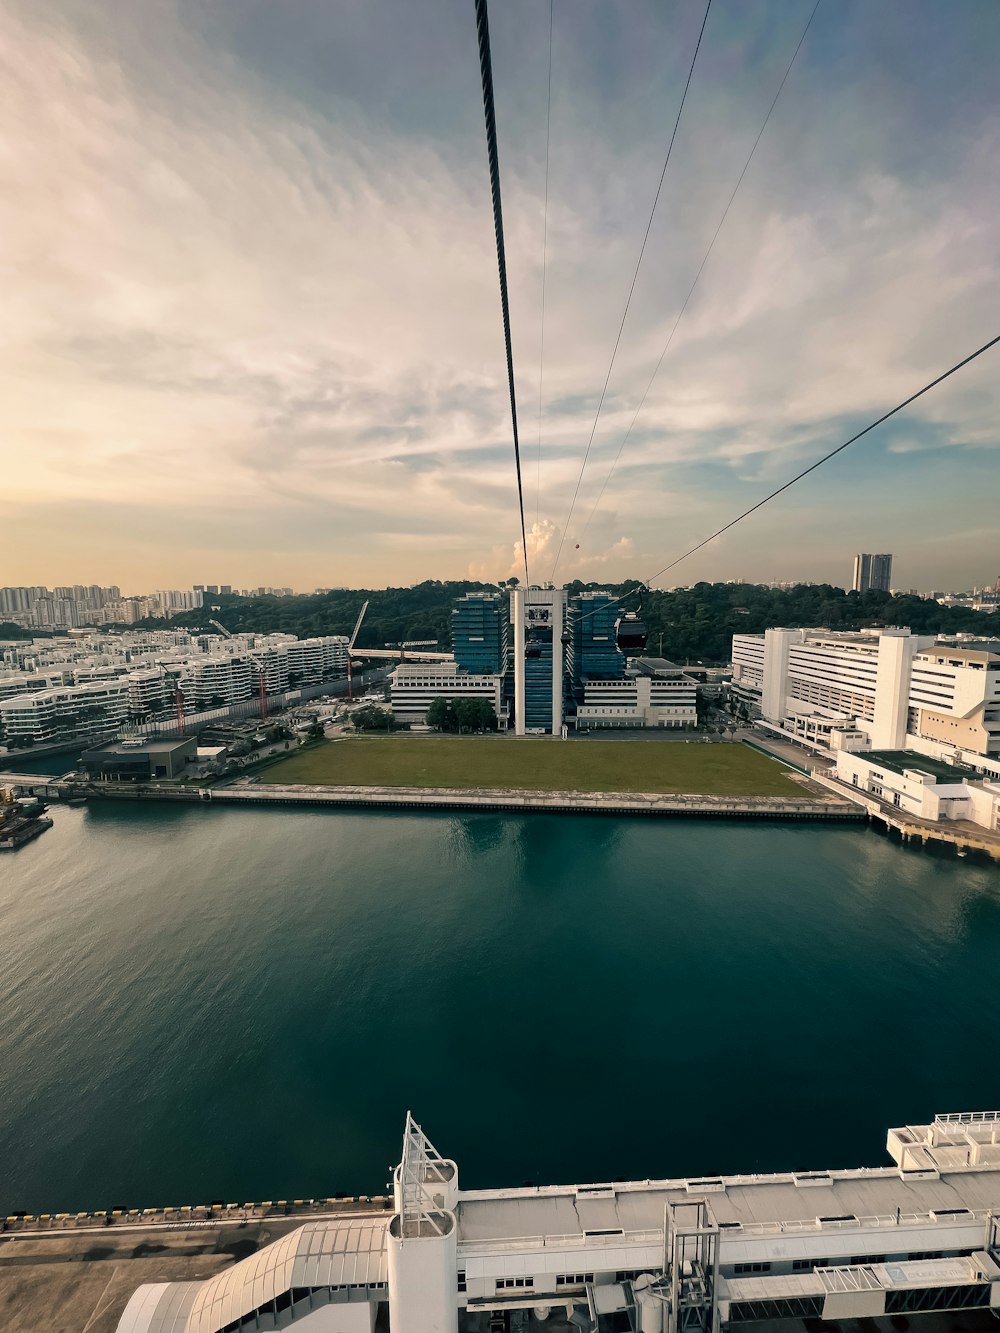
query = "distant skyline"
x=127 y=590
x=251 y=321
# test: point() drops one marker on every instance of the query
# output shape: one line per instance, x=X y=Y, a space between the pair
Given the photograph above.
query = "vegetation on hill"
x=697 y=623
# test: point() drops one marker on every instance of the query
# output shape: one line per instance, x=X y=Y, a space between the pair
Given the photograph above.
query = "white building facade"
x=415 y=686
x=136 y=677
x=921 y=786
x=668 y=1256
x=81 y=711
x=880 y=688
x=660 y=695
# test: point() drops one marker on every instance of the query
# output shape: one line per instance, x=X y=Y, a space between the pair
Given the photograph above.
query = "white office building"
x=652 y=693
x=696 y=1255
x=415 y=685
x=879 y=688
x=919 y=785
x=954 y=696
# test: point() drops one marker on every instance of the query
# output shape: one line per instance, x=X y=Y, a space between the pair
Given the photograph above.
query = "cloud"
x=237 y=286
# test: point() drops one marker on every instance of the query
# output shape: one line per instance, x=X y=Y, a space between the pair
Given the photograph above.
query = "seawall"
x=650 y=804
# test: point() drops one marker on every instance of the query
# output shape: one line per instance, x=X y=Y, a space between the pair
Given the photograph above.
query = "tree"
x=441 y=715
x=475 y=715
x=316 y=732
x=372 y=718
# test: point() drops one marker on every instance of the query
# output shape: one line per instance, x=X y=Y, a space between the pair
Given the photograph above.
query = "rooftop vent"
x=806 y=1179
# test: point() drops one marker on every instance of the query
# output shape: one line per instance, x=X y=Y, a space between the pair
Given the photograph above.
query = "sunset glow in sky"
x=250 y=321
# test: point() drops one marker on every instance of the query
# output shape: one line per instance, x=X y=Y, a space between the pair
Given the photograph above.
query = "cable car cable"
x=545 y=240
x=647 y=583
x=628 y=301
x=826 y=457
x=697 y=276
x=486 y=70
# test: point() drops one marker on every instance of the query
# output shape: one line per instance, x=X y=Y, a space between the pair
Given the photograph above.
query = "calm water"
x=200 y=1004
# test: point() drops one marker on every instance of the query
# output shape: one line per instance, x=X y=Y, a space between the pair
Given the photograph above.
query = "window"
x=804 y=1265
x=573 y=1279
x=461 y=1279
x=752 y=1268
x=511 y=1283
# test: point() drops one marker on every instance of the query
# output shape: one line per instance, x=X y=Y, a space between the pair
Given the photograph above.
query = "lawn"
x=537 y=764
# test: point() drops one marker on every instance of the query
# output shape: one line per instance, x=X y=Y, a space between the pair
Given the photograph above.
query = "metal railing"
x=574 y=1241
x=797 y=1226
x=967 y=1118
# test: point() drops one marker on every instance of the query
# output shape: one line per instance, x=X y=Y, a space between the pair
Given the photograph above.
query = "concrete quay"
x=961 y=834
x=819 y=807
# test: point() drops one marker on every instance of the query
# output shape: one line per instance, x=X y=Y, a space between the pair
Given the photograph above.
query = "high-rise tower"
x=538 y=616
x=872 y=573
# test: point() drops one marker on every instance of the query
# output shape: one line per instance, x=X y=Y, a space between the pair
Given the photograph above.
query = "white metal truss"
x=420 y=1169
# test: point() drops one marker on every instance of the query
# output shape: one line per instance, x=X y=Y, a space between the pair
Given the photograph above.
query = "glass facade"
x=479 y=631
x=593 y=653
x=538 y=680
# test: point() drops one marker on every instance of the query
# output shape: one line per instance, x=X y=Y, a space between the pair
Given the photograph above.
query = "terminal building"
x=138 y=760
x=696 y=1255
x=548 y=661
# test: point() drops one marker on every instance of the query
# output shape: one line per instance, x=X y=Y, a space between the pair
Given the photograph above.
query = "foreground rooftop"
x=919 y=1235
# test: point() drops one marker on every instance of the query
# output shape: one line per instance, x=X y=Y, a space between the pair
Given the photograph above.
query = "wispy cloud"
x=235 y=291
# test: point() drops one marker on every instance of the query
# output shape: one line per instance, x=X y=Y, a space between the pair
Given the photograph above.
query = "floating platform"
x=17 y=831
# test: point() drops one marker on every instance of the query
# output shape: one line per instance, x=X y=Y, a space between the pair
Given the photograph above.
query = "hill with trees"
x=696 y=623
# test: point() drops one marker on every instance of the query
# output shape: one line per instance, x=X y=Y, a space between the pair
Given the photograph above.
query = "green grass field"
x=536 y=764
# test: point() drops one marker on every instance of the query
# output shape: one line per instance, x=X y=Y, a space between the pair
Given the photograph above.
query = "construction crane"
x=178 y=696
x=261 y=669
x=350 y=649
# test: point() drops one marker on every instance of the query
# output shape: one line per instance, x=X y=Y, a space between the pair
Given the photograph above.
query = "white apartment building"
x=313 y=660
x=84 y=711
x=150 y=666
x=18 y=682
x=651 y=694
x=150 y=692
x=229 y=678
x=414 y=687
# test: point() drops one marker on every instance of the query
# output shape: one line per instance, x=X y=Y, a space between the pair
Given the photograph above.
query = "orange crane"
x=174 y=690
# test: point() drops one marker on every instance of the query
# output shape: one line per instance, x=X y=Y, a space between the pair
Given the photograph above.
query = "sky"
x=250 y=328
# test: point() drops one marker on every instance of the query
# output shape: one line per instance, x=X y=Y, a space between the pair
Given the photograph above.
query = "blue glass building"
x=479 y=633
x=592 y=653
x=538 y=680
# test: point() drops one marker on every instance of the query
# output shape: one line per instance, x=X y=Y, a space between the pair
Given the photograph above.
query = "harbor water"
x=202 y=1003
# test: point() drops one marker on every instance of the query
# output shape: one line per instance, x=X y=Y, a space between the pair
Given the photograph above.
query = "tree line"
x=686 y=625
